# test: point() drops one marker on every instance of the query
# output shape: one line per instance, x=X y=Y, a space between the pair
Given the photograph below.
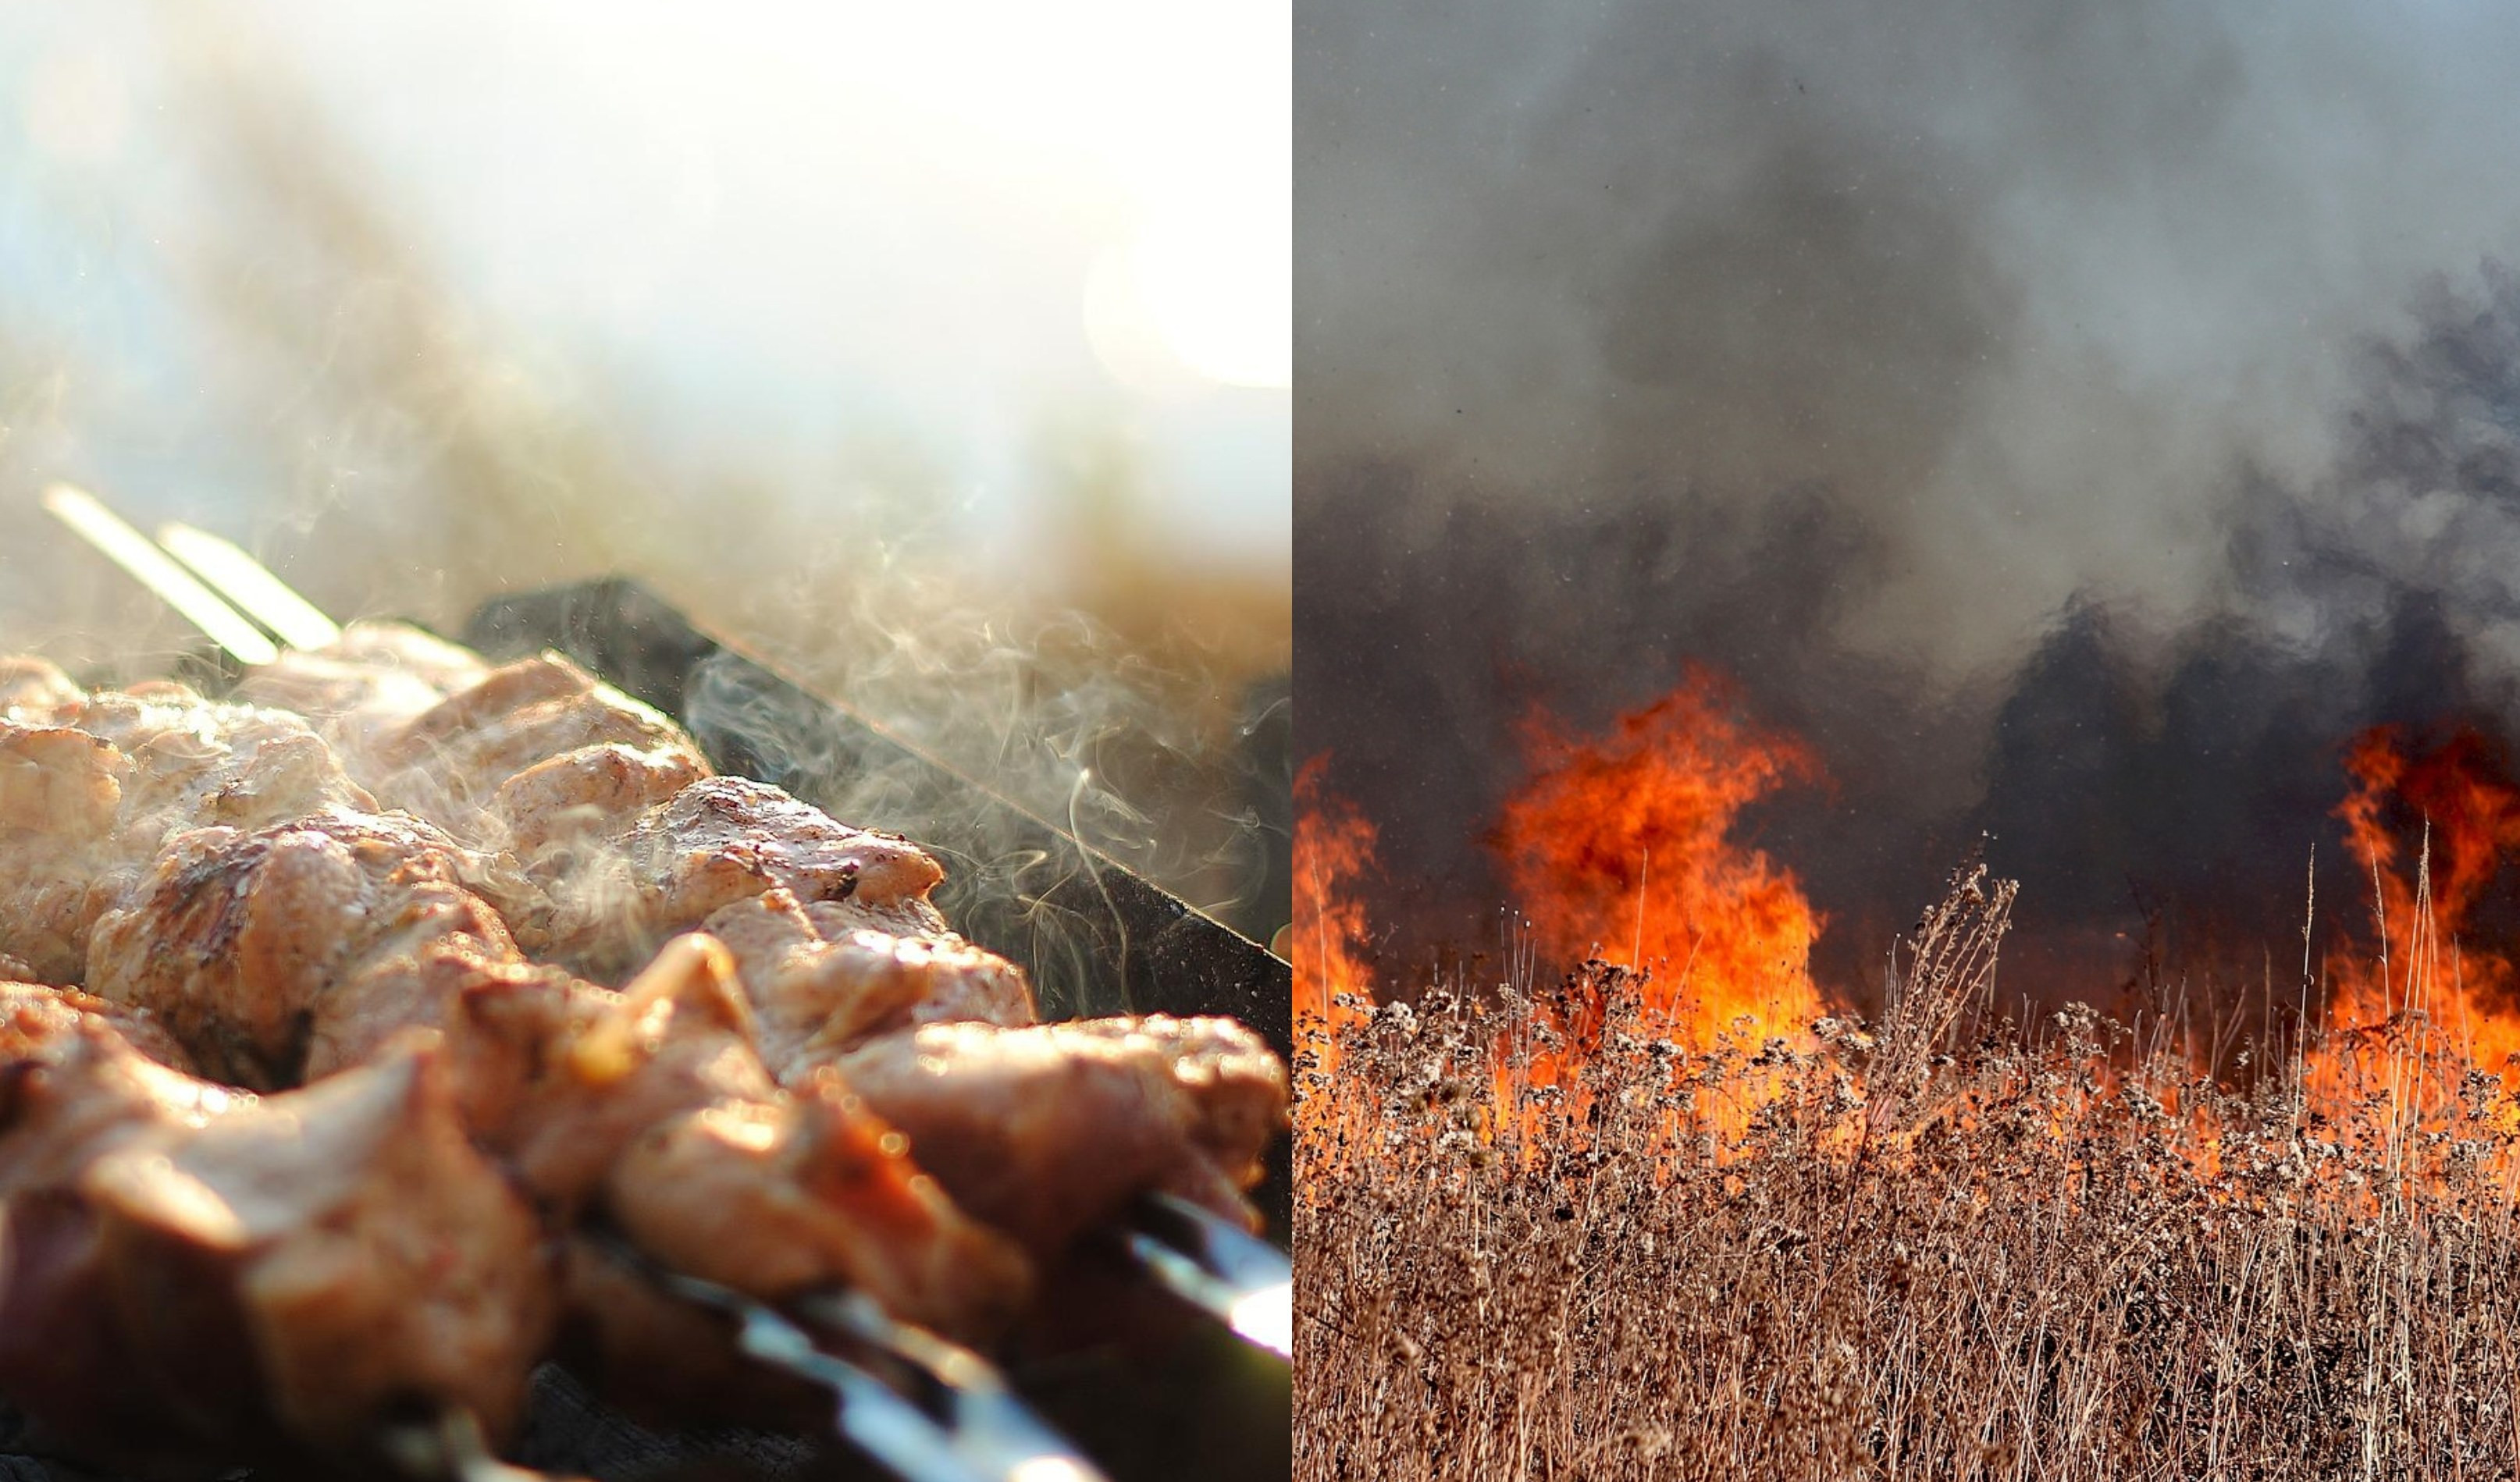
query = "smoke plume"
x=2075 y=420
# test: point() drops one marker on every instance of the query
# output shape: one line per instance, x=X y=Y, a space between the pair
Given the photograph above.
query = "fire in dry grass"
x=1936 y=1244
x=1333 y=858
x=2427 y=994
x=1622 y=845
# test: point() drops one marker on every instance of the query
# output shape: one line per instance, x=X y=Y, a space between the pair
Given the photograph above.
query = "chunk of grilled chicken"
x=524 y=756
x=720 y=842
x=608 y=805
x=35 y=692
x=253 y=947
x=1048 y=1130
x=88 y=798
x=188 y=1273
x=33 y=1013
x=364 y=686
x=820 y=983
x=1043 y=1131
x=534 y=754
x=288 y=953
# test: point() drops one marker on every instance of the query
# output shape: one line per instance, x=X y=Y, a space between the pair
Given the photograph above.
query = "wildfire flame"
x=1333 y=857
x=1622 y=846
x=2424 y=968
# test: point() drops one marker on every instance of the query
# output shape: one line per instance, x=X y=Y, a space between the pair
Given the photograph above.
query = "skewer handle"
x=154 y=569
x=251 y=586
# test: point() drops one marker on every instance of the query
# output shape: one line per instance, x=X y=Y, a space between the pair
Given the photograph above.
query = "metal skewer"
x=1208 y=1261
x=130 y=550
x=1241 y=1280
x=969 y=1426
x=250 y=585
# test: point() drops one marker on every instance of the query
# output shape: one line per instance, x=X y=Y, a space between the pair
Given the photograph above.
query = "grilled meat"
x=254 y=946
x=500 y=762
x=720 y=842
x=1043 y=1131
x=291 y=952
x=819 y=985
x=33 y=692
x=1050 y=1130
x=520 y=757
x=841 y=954
x=364 y=685
x=87 y=801
x=185 y=1268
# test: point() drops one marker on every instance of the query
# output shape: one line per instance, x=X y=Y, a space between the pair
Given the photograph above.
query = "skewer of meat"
x=280 y=953
x=1046 y=1131
x=542 y=759
x=367 y=906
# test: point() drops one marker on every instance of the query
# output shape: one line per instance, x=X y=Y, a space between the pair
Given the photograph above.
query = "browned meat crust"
x=1050 y=1131
x=85 y=805
x=288 y=953
x=187 y=1267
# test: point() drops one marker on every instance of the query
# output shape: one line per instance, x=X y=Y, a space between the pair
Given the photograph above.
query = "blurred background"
x=939 y=352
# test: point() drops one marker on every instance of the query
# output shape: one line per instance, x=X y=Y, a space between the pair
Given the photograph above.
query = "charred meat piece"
x=30 y=1012
x=1050 y=1131
x=288 y=953
x=239 y=942
x=85 y=805
x=609 y=806
x=364 y=685
x=653 y=1104
x=187 y=1271
x=34 y=692
x=1043 y=1131
x=486 y=761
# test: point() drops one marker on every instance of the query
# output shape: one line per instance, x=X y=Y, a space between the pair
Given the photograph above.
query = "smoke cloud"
x=2073 y=420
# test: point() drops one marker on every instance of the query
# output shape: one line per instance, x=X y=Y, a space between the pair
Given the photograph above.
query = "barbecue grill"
x=1095 y=935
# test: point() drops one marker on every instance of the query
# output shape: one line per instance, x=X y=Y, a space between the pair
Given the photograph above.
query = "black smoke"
x=2076 y=420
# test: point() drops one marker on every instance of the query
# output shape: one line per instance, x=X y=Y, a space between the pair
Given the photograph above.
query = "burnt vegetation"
x=1941 y=1243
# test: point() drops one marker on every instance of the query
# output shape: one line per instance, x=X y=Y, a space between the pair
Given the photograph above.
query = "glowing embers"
x=1622 y=846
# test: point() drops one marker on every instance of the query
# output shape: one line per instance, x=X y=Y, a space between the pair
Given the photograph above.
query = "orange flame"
x=1621 y=847
x=2459 y=802
x=1333 y=855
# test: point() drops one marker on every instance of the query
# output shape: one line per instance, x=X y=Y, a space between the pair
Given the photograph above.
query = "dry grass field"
x=1559 y=1227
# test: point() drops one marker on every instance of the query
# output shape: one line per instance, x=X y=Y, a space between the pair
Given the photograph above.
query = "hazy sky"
x=780 y=231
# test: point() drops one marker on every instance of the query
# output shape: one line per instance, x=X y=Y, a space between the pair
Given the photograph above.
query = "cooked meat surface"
x=464 y=761
x=1043 y=1131
x=1048 y=1130
x=86 y=804
x=30 y=1011
x=822 y=987
x=34 y=692
x=374 y=677
x=719 y=842
x=249 y=945
x=187 y=1267
x=290 y=951
x=609 y=806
